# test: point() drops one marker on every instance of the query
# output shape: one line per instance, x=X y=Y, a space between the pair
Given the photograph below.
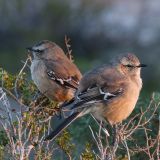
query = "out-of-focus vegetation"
x=98 y=30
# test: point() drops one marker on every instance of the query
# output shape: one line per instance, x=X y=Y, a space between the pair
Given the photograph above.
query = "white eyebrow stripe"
x=40 y=47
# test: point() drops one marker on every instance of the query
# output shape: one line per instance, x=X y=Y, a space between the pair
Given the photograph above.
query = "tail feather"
x=62 y=126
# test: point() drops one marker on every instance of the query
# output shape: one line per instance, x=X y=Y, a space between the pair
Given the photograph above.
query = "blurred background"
x=98 y=31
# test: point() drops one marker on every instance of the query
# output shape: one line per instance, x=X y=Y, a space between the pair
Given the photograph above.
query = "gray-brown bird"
x=53 y=72
x=109 y=92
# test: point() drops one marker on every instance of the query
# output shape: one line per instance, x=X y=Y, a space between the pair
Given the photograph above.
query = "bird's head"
x=129 y=64
x=42 y=49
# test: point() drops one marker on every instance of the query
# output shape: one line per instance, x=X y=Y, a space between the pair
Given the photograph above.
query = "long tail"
x=62 y=126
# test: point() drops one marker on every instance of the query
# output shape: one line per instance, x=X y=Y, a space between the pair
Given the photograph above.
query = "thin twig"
x=69 y=52
x=18 y=77
x=126 y=146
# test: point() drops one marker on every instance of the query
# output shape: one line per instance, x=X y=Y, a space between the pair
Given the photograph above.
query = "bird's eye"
x=38 y=50
x=129 y=66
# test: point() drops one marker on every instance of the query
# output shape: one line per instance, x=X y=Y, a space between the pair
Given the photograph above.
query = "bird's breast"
x=38 y=73
x=121 y=107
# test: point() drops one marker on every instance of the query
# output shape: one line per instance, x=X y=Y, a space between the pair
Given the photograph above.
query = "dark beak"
x=141 y=65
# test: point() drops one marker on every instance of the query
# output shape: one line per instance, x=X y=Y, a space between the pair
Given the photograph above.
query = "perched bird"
x=53 y=72
x=109 y=92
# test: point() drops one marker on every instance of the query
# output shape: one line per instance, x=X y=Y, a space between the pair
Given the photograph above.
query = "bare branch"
x=69 y=52
x=18 y=77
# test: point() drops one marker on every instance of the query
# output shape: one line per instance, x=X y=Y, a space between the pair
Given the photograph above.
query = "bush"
x=24 y=129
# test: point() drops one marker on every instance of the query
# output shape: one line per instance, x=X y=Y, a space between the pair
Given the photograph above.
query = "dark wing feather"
x=62 y=126
x=93 y=95
x=60 y=73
